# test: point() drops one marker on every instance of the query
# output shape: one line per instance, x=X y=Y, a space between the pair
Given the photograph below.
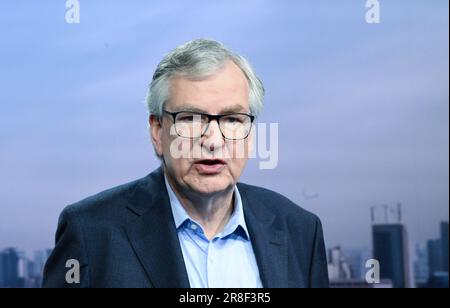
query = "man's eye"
x=186 y=118
x=233 y=120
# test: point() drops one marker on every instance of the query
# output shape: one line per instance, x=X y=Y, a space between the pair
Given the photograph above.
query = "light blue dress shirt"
x=227 y=261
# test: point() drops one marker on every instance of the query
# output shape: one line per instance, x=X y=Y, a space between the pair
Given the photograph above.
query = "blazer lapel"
x=269 y=244
x=153 y=235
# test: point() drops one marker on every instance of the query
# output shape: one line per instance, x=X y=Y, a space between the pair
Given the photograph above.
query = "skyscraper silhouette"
x=390 y=247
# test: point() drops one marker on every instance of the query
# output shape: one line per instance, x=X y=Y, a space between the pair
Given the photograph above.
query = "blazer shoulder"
x=277 y=203
x=107 y=203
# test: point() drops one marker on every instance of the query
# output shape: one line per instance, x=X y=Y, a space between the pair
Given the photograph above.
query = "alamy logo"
x=373 y=273
x=73 y=274
x=373 y=12
x=265 y=147
x=72 y=11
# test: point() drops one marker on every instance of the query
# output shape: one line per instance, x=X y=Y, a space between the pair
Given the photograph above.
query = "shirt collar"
x=236 y=224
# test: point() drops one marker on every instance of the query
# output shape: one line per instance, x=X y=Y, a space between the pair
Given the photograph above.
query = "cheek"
x=239 y=151
x=239 y=164
x=166 y=148
x=176 y=154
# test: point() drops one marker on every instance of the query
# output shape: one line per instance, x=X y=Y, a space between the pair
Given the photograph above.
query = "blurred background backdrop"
x=363 y=113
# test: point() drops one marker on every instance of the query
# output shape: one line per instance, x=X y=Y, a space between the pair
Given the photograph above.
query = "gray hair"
x=196 y=59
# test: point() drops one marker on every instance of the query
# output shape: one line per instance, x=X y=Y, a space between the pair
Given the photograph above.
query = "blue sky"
x=363 y=109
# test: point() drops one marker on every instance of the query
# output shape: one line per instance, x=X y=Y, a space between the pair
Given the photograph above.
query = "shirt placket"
x=211 y=272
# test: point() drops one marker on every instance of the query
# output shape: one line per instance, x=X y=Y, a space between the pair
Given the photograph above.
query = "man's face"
x=222 y=161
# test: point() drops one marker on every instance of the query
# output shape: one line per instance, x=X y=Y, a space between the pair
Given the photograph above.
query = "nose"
x=213 y=140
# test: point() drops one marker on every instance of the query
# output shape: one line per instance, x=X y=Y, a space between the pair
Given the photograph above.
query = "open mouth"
x=210 y=166
x=210 y=162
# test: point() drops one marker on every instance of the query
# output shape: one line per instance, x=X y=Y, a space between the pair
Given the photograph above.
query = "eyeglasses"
x=233 y=126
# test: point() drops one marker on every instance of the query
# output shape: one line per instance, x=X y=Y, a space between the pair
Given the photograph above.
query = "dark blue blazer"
x=126 y=237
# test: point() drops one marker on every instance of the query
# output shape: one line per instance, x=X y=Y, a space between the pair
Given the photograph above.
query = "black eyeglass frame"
x=211 y=117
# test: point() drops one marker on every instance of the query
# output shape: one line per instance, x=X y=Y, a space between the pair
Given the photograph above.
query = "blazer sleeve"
x=69 y=245
x=319 y=268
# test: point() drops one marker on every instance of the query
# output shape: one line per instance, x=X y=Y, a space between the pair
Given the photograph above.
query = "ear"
x=156 y=133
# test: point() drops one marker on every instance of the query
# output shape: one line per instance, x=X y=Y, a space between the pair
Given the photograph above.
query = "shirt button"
x=194 y=227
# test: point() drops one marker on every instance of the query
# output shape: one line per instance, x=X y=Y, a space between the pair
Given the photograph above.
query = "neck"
x=211 y=211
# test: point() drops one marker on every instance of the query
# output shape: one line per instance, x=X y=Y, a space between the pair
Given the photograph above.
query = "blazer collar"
x=269 y=239
x=153 y=235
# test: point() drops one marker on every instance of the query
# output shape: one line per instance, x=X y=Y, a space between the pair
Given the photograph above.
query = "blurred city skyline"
x=423 y=266
x=362 y=109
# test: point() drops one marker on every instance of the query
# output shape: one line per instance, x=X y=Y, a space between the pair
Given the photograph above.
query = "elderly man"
x=190 y=223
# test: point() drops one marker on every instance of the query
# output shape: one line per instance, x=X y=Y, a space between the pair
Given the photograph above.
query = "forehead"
x=227 y=89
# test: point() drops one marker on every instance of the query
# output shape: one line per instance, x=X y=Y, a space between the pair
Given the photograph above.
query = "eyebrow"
x=234 y=108
x=230 y=109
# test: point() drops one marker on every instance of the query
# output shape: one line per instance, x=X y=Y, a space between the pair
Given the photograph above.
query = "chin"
x=211 y=185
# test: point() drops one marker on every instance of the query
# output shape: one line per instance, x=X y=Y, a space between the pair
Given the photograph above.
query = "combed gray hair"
x=194 y=60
